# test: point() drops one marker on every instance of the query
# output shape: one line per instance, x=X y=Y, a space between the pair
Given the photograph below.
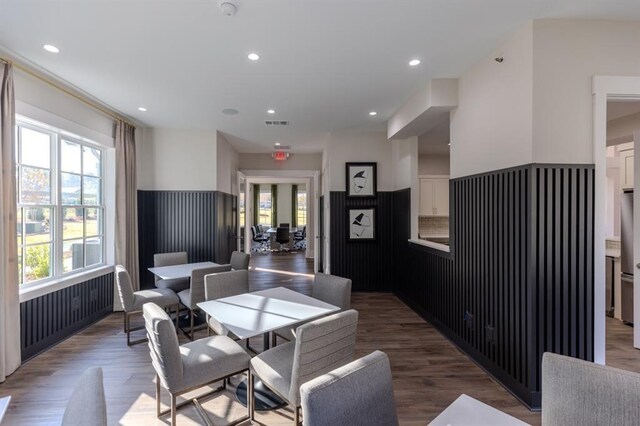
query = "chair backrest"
x=333 y=290
x=226 y=284
x=304 y=231
x=163 y=345
x=168 y=259
x=197 y=282
x=260 y=228
x=321 y=346
x=362 y=390
x=577 y=392
x=239 y=260
x=285 y=225
x=282 y=235
x=254 y=232
x=87 y=405
x=125 y=288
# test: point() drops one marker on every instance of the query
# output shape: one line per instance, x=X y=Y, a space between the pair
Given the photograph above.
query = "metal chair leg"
x=251 y=403
x=191 y=336
x=157 y=396
x=173 y=410
x=124 y=323
x=296 y=417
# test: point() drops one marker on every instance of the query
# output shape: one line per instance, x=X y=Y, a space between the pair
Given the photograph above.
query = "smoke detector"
x=228 y=8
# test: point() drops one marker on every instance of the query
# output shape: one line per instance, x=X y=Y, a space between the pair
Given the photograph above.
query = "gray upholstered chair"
x=87 y=406
x=182 y=369
x=577 y=392
x=132 y=301
x=328 y=288
x=359 y=393
x=190 y=297
x=320 y=346
x=169 y=259
x=224 y=284
x=239 y=261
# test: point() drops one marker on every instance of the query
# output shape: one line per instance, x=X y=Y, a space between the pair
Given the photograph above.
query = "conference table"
x=272 y=235
x=253 y=314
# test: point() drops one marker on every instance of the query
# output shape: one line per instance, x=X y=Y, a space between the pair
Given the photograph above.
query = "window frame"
x=56 y=267
x=298 y=210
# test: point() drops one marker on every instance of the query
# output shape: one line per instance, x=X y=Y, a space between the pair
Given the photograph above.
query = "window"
x=60 y=204
x=302 y=207
x=265 y=210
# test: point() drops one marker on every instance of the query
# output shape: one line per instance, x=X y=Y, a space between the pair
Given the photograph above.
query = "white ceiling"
x=324 y=63
x=622 y=108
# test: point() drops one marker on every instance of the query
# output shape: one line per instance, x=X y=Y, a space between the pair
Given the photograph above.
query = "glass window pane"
x=71 y=188
x=37 y=263
x=19 y=226
x=36 y=148
x=91 y=161
x=72 y=255
x=93 y=222
x=72 y=227
x=37 y=225
x=93 y=251
x=70 y=160
x=36 y=186
x=91 y=191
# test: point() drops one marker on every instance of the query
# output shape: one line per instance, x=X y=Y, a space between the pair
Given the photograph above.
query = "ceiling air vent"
x=276 y=123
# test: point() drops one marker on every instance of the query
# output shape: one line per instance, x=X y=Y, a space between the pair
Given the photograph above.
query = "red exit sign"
x=280 y=155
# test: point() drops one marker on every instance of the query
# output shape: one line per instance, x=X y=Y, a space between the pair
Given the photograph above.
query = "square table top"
x=252 y=314
x=4 y=404
x=274 y=230
x=179 y=271
x=468 y=411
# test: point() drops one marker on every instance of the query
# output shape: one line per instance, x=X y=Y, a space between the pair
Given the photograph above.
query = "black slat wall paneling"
x=202 y=223
x=521 y=264
x=48 y=319
x=368 y=264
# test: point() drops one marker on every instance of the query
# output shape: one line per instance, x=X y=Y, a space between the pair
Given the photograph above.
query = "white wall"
x=284 y=203
x=227 y=160
x=179 y=160
x=492 y=127
x=621 y=129
x=567 y=54
x=432 y=164
x=351 y=146
x=266 y=162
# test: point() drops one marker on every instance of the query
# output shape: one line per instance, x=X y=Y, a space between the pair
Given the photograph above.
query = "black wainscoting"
x=368 y=264
x=519 y=279
x=202 y=223
x=49 y=319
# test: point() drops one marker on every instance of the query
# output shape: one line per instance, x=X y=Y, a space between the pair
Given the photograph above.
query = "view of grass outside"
x=302 y=208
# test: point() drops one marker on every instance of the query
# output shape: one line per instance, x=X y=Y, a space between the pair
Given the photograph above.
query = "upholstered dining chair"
x=132 y=301
x=582 y=393
x=359 y=394
x=239 y=260
x=182 y=369
x=224 y=284
x=331 y=289
x=87 y=405
x=190 y=297
x=170 y=259
x=320 y=346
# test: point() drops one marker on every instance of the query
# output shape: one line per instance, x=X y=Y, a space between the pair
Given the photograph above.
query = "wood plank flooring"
x=429 y=372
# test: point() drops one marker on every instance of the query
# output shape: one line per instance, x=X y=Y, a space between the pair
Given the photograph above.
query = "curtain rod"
x=93 y=105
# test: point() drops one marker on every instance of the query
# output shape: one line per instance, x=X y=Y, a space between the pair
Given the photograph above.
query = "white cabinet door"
x=626 y=169
x=441 y=197
x=426 y=197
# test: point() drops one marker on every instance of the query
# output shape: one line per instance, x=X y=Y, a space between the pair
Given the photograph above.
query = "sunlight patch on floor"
x=275 y=271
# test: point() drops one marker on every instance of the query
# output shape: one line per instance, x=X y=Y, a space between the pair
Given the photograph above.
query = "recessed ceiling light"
x=51 y=48
x=230 y=111
x=277 y=144
x=253 y=56
x=143 y=109
x=414 y=62
x=271 y=111
x=372 y=113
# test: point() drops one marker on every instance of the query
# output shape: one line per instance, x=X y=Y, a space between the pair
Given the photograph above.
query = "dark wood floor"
x=428 y=371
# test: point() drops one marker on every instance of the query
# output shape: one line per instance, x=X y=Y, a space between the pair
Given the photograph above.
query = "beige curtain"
x=9 y=291
x=126 y=205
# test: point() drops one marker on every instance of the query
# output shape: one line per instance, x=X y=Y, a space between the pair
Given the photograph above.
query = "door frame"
x=606 y=88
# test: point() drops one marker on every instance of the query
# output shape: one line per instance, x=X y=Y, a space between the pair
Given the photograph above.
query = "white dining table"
x=4 y=405
x=252 y=314
x=179 y=271
x=468 y=411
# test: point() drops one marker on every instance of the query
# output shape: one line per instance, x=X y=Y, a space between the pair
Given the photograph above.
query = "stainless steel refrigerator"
x=626 y=255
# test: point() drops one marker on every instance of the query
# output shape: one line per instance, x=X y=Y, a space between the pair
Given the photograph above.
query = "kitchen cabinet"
x=626 y=169
x=434 y=196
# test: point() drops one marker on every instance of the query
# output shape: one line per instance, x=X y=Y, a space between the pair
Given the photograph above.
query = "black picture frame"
x=361 y=180
x=361 y=224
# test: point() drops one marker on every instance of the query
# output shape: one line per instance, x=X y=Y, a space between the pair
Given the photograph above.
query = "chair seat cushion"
x=160 y=296
x=274 y=367
x=185 y=297
x=175 y=284
x=210 y=358
x=221 y=329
